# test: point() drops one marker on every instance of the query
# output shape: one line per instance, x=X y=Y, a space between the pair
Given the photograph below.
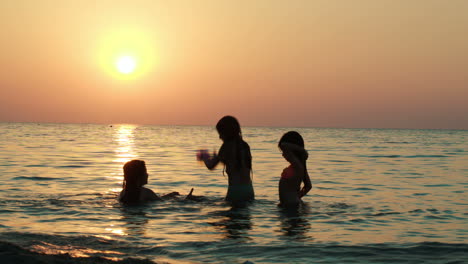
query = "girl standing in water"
x=290 y=192
x=237 y=160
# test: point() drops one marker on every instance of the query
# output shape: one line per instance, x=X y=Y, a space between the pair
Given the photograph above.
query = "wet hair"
x=295 y=138
x=228 y=128
x=134 y=170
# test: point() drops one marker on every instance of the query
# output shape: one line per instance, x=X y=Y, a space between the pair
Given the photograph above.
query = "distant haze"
x=324 y=63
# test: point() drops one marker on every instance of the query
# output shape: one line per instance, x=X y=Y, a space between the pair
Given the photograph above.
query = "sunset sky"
x=309 y=63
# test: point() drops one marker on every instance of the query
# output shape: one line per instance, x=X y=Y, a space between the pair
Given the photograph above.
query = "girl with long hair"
x=237 y=159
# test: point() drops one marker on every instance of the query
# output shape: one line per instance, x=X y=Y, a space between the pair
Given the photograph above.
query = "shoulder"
x=148 y=195
x=225 y=149
x=234 y=143
x=226 y=145
x=245 y=145
x=121 y=194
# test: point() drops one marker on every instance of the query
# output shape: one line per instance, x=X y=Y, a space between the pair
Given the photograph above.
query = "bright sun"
x=126 y=64
x=127 y=53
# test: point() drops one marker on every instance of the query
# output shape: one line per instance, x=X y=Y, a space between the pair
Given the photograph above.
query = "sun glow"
x=127 y=53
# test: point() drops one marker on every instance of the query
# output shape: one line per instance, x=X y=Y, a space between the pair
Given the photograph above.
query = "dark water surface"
x=379 y=196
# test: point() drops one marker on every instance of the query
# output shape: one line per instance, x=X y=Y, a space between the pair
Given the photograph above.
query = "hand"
x=203 y=155
x=190 y=194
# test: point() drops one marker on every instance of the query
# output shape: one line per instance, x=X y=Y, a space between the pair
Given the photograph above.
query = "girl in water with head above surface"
x=135 y=176
x=290 y=192
x=237 y=160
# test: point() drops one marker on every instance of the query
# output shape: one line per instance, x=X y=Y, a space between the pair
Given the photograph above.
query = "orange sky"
x=327 y=63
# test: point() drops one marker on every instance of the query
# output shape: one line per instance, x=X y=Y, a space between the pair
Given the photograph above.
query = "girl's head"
x=135 y=176
x=293 y=137
x=135 y=173
x=228 y=128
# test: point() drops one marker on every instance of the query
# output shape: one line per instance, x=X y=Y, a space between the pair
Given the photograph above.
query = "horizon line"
x=213 y=125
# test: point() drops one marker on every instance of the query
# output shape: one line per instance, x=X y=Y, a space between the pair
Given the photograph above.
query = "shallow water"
x=379 y=196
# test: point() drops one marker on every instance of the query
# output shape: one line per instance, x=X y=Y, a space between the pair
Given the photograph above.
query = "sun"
x=126 y=64
x=126 y=53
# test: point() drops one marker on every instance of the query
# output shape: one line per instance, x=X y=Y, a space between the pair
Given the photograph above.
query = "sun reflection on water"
x=124 y=137
x=116 y=231
x=124 y=151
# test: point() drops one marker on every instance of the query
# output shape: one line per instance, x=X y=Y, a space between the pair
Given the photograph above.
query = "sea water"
x=378 y=196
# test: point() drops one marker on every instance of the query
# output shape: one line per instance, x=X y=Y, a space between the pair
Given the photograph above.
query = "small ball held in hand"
x=203 y=154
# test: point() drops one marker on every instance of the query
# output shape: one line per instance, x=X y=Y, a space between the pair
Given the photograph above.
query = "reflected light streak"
x=117 y=231
x=124 y=136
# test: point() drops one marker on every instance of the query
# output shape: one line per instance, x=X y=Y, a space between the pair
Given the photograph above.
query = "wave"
x=36 y=166
x=41 y=248
x=427 y=156
x=381 y=156
x=401 y=156
x=35 y=178
x=22 y=247
x=425 y=252
x=70 y=166
x=12 y=254
x=363 y=189
x=438 y=185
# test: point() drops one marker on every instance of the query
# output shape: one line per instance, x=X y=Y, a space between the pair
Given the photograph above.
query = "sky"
x=297 y=63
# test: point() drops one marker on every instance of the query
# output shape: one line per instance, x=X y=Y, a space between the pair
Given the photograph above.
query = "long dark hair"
x=134 y=170
x=229 y=129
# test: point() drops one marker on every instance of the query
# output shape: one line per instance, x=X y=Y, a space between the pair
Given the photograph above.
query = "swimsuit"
x=288 y=172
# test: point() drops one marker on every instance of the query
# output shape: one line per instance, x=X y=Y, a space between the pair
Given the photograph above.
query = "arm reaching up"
x=189 y=195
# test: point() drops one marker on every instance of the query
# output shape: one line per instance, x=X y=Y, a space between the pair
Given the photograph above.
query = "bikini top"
x=288 y=172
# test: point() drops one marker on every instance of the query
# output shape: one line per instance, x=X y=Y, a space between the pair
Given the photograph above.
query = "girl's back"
x=236 y=156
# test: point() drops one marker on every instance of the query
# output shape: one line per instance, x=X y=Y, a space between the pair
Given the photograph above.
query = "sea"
x=378 y=196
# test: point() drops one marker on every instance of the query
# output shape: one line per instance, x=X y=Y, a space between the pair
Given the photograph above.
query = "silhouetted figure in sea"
x=290 y=191
x=237 y=159
x=133 y=192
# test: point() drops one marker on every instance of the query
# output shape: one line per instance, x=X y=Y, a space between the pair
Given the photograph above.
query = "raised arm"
x=285 y=146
